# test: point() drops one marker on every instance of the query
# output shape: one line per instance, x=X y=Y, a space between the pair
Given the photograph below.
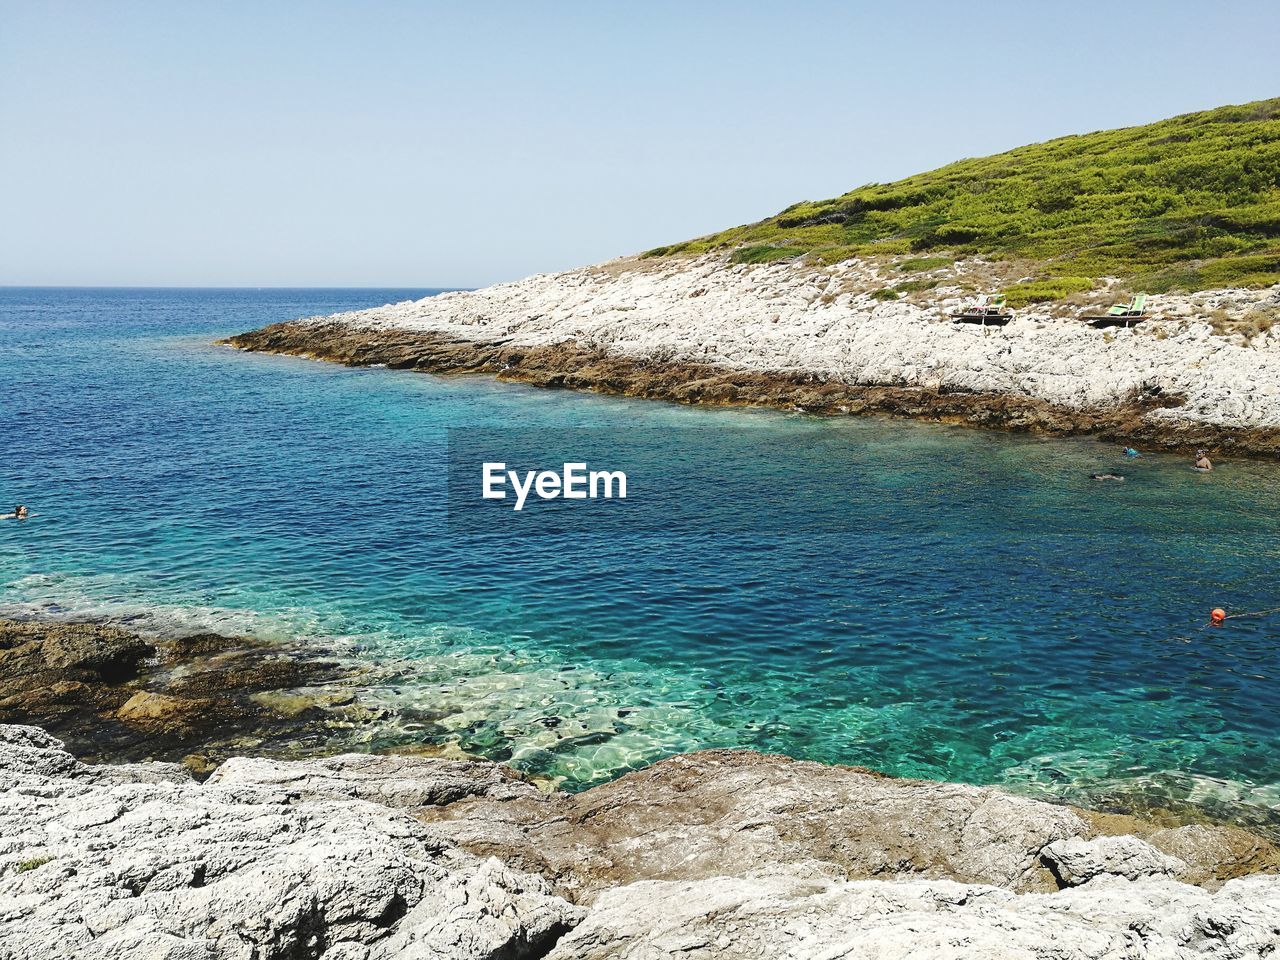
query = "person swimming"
x=1130 y=452
x=20 y=512
x=1202 y=461
x=1105 y=476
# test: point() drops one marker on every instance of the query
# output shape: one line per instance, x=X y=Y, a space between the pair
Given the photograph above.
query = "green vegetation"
x=1188 y=203
x=1042 y=291
x=884 y=293
x=765 y=253
x=921 y=264
x=1246 y=271
x=911 y=286
x=26 y=865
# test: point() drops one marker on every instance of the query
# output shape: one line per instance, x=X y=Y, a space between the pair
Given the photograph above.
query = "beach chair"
x=1122 y=314
x=1134 y=308
x=987 y=310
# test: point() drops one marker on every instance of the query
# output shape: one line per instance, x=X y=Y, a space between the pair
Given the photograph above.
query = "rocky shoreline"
x=216 y=847
x=724 y=854
x=573 y=367
x=792 y=337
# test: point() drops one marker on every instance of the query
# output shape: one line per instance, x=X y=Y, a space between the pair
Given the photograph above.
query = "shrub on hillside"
x=1138 y=202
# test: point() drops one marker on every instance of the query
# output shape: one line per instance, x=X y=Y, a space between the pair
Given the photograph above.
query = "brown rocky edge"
x=718 y=813
x=578 y=367
x=111 y=694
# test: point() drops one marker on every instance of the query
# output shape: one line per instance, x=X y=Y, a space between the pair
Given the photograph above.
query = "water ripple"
x=927 y=601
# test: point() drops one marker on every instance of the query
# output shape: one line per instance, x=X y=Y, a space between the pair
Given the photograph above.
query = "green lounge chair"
x=1122 y=314
x=1133 y=308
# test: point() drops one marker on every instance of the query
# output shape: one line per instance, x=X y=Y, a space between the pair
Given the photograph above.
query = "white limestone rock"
x=1075 y=861
x=130 y=862
x=794 y=917
x=321 y=860
x=775 y=317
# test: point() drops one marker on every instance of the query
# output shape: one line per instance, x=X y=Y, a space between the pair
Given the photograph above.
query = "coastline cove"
x=949 y=604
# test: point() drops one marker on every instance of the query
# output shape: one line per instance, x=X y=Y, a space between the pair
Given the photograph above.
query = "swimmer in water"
x=1106 y=476
x=19 y=513
x=1202 y=461
x=1130 y=452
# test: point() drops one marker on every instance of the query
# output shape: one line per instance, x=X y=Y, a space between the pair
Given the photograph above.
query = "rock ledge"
x=723 y=854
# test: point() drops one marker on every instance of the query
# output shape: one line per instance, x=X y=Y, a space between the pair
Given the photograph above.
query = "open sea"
x=928 y=601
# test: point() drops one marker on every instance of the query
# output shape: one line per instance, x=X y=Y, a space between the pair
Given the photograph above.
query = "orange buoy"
x=1217 y=616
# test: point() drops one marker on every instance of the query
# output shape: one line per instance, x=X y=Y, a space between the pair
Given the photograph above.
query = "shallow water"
x=927 y=601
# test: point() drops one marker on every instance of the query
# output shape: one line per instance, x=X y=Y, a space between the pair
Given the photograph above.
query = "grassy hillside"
x=1186 y=203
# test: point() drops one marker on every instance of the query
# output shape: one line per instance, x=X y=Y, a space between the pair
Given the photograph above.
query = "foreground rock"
x=790 y=335
x=723 y=854
x=112 y=693
x=727 y=812
x=131 y=862
x=792 y=917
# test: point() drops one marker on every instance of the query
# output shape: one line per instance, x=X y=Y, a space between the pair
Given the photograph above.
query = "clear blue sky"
x=424 y=144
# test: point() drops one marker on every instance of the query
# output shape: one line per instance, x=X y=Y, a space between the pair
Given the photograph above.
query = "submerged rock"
x=144 y=707
x=112 y=693
x=50 y=672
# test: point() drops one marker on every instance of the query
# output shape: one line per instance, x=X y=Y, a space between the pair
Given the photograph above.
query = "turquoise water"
x=927 y=601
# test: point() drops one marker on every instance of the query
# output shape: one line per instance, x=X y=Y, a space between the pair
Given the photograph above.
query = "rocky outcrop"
x=573 y=367
x=711 y=813
x=112 y=693
x=788 y=917
x=707 y=814
x=1078 y=861
x=717 y=812
x=141 y=861
x=793 y=336
x=722 y=854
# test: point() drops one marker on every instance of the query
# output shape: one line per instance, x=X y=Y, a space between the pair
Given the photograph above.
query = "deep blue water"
x=924 y=600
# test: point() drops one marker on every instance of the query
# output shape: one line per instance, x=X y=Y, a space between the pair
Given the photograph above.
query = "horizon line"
x=257 y=286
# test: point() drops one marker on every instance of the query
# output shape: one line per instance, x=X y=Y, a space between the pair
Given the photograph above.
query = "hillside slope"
x=1190 y=203
x=846 y=306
